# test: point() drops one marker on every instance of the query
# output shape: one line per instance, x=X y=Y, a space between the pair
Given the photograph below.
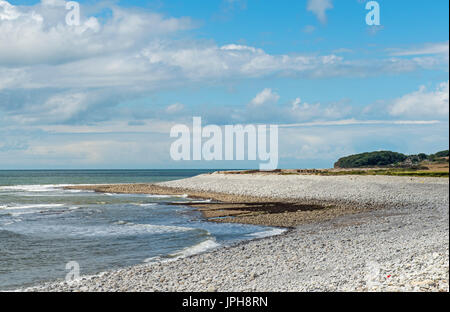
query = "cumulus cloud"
x=8 y=11
x=134 y=48
x=39 y=34
x=130 y=54
x=267 y=107
x=264 y=97
x=423 y=103
x=60 y=87
x=319 y=8
x=301 y=111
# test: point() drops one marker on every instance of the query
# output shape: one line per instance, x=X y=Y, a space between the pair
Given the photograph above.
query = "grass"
x=385 y=172
x=391 y=172
x=437 y=169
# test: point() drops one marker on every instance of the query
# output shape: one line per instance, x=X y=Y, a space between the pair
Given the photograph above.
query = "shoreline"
x=406 y=240
x=77 y=284
x=244 y=209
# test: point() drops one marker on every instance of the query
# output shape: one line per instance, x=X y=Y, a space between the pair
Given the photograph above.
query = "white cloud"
x=174 y=108
x=7 y=11
x=238 y=47
x=353 y=122
x=423 y=103
x=53 y=2
x=64 y=106
x=11 y=77
x=296 y=103
x=261 y=109
x=155 y=126
x=132 y=54
x=304 y=111
x=264 y=97
x=100 y=152
x=39 y=34
x=427 y=56
x=301 y=145
x=134 y=51
x=431 y=48
x=319 y=7
x=57 y=108
x=329 y=142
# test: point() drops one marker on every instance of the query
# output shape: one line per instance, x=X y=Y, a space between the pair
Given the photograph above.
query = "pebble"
x=408 y=241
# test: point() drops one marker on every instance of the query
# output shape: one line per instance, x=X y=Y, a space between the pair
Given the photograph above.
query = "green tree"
x=379 y=158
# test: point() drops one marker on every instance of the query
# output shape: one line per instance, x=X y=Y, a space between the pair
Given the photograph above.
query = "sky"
x=105 y=93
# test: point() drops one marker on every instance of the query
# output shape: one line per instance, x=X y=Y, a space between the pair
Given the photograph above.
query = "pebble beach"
x=386 y=234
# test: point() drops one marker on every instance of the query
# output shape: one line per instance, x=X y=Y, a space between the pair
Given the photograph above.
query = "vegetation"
x=390 y=172
x=441 y=154
x=438 y=155
x=373 y=159
x=376 y=163
x=390 y=159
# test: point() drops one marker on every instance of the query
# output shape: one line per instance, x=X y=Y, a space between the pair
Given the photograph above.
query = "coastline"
x=330 y=254
x=246 y=209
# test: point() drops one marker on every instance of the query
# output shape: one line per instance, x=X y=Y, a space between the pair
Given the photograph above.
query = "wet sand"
x=268 y=211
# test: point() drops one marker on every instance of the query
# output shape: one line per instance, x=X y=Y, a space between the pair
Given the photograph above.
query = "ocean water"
x=43 y=227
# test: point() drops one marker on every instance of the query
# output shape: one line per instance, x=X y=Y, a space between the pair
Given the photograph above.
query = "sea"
x=47 y=231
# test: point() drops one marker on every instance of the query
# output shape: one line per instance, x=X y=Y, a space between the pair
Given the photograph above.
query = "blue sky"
x=105 y=94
